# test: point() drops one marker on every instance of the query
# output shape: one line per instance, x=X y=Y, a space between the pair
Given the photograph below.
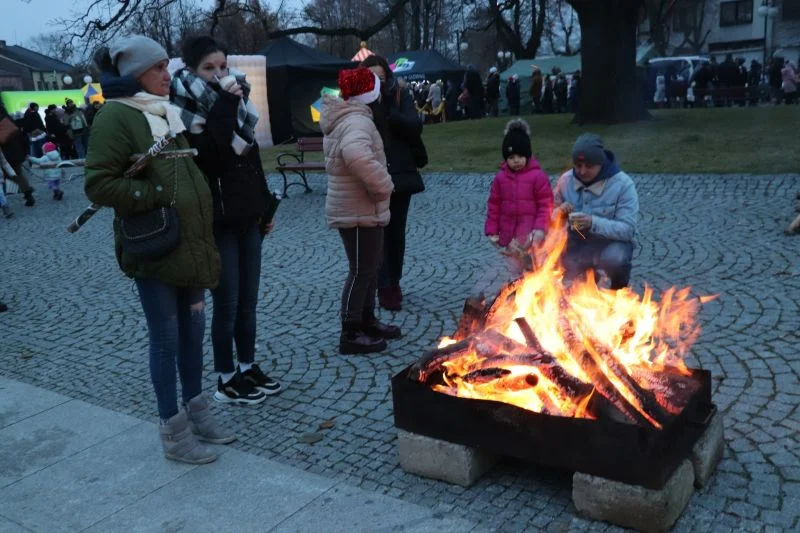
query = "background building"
x=753 y=29
x=35 y=72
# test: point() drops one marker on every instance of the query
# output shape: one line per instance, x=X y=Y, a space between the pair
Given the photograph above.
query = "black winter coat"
x=402 y=141
x=237 y=182
x=55 y=128
x=16 y=150
x=32 y=121
x=512 y=92
x=493 y=87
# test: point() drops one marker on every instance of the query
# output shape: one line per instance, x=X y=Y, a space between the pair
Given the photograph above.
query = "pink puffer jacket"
x=519 y=202
x=359 y=186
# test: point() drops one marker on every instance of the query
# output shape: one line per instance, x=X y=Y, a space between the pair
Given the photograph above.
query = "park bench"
x=295 y=163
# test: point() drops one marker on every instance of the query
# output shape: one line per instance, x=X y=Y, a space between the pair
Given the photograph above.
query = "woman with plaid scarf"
x=220 y=119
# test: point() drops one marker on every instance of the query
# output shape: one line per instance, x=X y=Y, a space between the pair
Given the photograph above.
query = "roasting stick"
x=140 y=161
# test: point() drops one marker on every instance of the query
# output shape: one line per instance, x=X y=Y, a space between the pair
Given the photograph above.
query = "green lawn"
x=733 y=140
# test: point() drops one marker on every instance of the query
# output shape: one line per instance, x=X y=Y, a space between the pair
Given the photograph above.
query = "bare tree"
x=659 y=16
x=169 y=24
x=694 y=19
x=562 y=30
x=102 y=20
x=519 y=24
x=53 y=44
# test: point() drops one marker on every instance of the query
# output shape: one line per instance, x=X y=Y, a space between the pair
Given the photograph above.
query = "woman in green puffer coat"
x=171 y=288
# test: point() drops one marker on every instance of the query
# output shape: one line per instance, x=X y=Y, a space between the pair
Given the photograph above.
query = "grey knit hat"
x=135 y=54
x=589 y=148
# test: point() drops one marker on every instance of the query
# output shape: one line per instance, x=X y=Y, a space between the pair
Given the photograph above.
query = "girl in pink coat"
x=520 y=200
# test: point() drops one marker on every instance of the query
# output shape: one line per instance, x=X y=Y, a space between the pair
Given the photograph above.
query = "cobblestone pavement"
x=75 y=327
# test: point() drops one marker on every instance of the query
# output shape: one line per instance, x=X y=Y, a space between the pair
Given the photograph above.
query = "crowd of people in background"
x=707 y=83
x=27 y=138
x=732 y=82
x=475 y=98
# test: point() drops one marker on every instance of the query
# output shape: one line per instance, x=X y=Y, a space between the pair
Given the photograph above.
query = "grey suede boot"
x=203 y=425
x=180 y=444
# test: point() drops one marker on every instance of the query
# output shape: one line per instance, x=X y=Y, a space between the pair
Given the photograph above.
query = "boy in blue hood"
x=601 y=205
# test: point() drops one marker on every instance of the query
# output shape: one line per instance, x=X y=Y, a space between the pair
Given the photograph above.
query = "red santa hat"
x=359 y=85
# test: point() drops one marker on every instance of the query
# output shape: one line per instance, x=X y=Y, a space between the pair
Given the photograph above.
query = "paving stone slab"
x=647 y=510
x=345 y=509
x=53 y=435
x=80 y=490
x=237 y=492
x=7 y=526
x=19 y=401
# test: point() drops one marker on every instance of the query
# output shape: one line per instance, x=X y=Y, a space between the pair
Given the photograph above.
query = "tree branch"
x=362 y=33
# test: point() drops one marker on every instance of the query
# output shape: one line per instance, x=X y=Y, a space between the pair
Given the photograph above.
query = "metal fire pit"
x=607 y=448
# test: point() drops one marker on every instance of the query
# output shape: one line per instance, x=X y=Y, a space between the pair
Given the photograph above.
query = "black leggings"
x=394 y=243
x=364 y=249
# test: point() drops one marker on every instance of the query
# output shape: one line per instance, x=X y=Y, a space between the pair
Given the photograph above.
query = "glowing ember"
x=553 y=349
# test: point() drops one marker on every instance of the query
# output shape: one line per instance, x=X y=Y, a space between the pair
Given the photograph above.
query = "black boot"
x=29 y=201
x=374 y=328
x=354 y=340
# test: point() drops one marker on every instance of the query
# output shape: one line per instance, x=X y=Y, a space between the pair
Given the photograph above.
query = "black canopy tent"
x=418 y=65
x=296 y=77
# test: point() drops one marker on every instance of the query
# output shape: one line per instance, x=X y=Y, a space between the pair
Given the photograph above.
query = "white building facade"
x=753 y=29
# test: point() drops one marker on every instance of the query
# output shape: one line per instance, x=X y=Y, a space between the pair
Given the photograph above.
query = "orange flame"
x=594 y=340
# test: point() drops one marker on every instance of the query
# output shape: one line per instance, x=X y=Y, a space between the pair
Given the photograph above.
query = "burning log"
x=432 y=360
x=601 y=382
x=671 y=389
x=506 y=360
x=572 y=387
x=491 y=342
x=644 y=397
x=530 y=336
x=486 y=375
x=473 y=317
x=506 y=297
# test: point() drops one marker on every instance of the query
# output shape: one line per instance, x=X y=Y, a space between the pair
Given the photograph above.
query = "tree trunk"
x=610 y=91
x=400 y=23
x=416 y=24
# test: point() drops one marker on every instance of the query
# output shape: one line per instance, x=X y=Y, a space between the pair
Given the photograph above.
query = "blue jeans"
x=597 y=253
x=176 y=322
x=236 y=296
x=80 y=142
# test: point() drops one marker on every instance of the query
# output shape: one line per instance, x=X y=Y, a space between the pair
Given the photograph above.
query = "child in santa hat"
x=357 y=204
x=52 y=174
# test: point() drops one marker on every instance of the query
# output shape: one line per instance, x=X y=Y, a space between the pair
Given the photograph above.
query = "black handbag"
x=155 y=233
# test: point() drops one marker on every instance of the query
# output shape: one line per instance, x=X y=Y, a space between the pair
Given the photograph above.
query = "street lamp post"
x=503 y=59
x=767 y=10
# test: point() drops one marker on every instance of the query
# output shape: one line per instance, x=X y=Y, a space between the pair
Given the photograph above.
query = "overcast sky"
x=20 y=20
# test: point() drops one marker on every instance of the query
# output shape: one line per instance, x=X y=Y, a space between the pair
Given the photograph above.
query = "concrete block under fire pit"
x=442 y=460
x=707 y=451
x=633 y=506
